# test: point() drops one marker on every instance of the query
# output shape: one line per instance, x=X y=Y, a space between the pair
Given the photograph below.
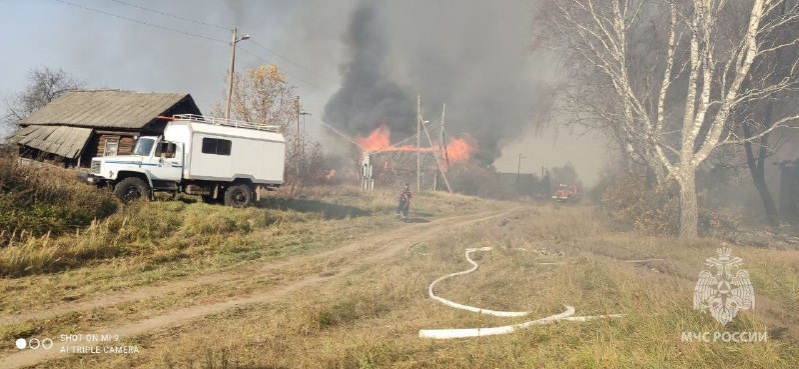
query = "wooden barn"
x=83 y=124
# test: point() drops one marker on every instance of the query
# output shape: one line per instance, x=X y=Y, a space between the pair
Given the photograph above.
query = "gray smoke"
x=369 y=96
x=471 y=55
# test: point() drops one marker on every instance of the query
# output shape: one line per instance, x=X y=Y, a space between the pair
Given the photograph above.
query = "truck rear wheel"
x=131 y=189
x=238 y=196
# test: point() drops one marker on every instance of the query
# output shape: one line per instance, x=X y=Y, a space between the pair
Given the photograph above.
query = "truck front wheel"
x=131 y=189
x=238 y=196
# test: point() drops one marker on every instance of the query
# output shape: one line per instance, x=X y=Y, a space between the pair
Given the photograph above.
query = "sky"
x=311 y=42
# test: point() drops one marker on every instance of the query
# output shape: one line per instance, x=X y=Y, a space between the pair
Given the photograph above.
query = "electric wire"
x=309 y=84
x=252 y=41
x=141 y=22
x=172 y=15
x=247 y=51
x=287 y=73
x=292 y=62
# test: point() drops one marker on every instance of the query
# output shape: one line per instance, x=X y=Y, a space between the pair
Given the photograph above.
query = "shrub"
x=632 y=205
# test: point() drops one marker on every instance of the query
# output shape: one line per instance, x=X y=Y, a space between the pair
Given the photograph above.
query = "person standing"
x=404 y=202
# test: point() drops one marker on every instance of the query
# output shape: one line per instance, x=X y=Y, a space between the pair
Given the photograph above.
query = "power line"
x=432 y=126
x=203 y=37
x=292 y=62
x=187 y=34
x=229 y=29
x=296 y=77
x=172 y=15
x=141 y=22
x=348 y=138
x=210 y=39
x=351 y=140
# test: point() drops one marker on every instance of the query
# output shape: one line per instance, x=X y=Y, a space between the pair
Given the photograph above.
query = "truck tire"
x=238 y=196
x=131 y=189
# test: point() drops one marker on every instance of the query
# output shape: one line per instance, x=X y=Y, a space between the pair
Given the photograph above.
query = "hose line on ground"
x=566 y=315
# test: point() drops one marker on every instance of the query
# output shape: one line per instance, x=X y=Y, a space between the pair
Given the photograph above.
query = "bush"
x=37 y=199
x=632 y=205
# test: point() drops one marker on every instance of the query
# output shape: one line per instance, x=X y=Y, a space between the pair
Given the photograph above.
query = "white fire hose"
x=479 y=332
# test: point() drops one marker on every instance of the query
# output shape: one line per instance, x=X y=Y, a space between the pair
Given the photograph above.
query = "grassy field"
x=332 y=280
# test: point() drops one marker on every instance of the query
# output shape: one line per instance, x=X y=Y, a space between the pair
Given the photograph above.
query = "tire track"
x=237 y=273
x=388 y=244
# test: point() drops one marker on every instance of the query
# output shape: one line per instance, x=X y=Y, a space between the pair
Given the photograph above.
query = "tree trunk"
x=757 y=165
x=757 y=168
x=689 y=218
x=651 y=178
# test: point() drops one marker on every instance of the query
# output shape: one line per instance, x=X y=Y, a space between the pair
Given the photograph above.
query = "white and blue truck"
x=219 y=159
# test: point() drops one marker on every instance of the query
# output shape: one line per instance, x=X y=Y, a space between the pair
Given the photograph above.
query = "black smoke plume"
x=471 y=55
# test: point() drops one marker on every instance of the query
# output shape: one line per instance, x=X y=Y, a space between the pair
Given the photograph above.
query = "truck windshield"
x=144 y=147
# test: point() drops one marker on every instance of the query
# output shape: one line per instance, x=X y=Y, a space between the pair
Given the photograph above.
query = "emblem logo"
x=720 y=291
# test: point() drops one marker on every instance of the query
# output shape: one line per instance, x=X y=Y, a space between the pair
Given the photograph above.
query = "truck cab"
x=218 y=159
x=156 y=164
x=567 y=193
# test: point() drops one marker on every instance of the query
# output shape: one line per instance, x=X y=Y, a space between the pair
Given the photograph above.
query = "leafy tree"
x=262 y=96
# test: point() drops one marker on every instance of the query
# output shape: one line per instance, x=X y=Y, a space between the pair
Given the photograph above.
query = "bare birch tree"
x=701 y=61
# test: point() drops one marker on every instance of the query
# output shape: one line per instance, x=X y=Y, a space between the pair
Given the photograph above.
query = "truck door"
x=169 y=160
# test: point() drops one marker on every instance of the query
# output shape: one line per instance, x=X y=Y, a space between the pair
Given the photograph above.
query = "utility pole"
x=418 y=143
x=299 y=157
x=438 y=161
x=233 y=41
x=519 y=170
x=442 y=150
x=302 y=143
x=443 y=143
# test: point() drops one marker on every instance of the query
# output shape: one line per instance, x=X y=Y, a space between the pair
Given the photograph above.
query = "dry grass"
x=171 y=230
x=160 y=241
x=370 y=318
x=38 y=199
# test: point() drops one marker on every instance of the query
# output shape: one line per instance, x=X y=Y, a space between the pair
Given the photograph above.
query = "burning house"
x=83 y=124
x=393 y=164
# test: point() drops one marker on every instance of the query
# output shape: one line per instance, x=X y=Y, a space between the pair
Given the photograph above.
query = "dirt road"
x=313 y=269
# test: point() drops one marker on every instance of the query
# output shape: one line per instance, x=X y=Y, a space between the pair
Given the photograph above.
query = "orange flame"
x=459 y=150
x=379 y=140
x=330 y=174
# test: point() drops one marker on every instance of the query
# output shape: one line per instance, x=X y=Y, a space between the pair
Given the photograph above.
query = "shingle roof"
x=60 y=140
x=108 y=108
